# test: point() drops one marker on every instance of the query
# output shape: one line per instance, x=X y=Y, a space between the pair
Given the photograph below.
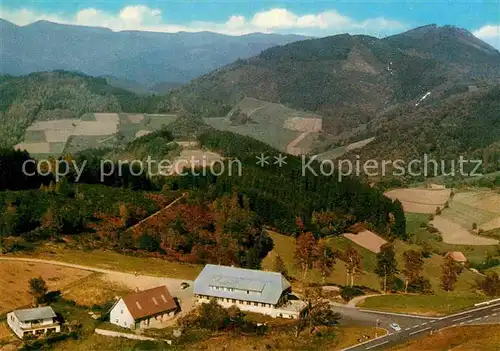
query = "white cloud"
x=490 y=34
x=140 y=17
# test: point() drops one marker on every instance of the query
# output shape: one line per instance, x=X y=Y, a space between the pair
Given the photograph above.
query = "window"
x=248 y=291
x=121 y=311
x=116 y=320
x=249 y=303
x=234 y=301
x=256 y=304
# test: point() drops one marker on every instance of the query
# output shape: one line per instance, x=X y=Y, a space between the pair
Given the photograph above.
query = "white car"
x=395 y=327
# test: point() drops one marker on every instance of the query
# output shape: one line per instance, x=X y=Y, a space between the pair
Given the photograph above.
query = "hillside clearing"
x=453 y=233
x=367 y=239
x=420 y=200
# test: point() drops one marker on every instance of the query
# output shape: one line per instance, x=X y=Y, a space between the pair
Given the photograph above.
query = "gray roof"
x=267 y=287
x=35 y=313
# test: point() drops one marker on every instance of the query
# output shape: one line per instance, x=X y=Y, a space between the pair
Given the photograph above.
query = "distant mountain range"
x=349 y=79
x=147 y=58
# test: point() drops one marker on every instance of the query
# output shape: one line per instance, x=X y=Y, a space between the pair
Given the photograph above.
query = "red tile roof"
x=150 y=302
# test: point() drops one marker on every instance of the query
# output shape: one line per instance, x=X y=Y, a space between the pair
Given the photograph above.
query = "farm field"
x=194 y=158
x=420 y=200
x=453 y=233
x=285 y=129
x=367 y=239
x=14 y=278
x=470 y=338
x=92 y=130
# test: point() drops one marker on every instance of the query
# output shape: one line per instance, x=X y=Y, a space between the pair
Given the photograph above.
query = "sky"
x=236 y=17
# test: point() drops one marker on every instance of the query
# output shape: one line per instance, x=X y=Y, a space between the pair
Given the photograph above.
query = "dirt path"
x=355 y=300
x=156 y=213
x=132 y=281
x=453 y=233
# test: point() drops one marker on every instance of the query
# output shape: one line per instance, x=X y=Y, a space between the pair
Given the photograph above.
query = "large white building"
x=143 y=309
x=250 y=290
x=35 y=321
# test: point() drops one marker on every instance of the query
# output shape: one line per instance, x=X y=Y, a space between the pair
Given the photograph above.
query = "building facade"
x=33 y=321
x=250 y=290
x=144 y=309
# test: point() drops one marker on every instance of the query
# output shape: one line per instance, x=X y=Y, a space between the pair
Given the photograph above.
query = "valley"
x=269 y=257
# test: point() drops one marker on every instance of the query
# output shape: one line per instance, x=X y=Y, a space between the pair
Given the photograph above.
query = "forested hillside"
x=57 y=95
x=347 y=79
x=282 y=198
x=466 y=124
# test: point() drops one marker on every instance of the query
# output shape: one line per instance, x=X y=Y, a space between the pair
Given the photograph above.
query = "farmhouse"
x=33 y=321
x=144 y=309
x=250 y=290
x=457 y=256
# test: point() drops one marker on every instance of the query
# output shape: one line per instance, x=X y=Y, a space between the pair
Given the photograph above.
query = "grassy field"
x=285 y=247
x=471 y=338
x=15 y=276
x=335 y=338
x=440 y=303
x=93 y=290
x=119 y=262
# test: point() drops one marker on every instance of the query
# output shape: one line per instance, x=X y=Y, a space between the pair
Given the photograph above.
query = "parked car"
x=395 y=327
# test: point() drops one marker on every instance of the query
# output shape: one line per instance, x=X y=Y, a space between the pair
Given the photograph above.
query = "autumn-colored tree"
x=38 y=289
x=318 y=312
x=352 y=259
x=387 y=266
x=305 y=252
x=51 y=220
x=279 y=266
x=413 y=266
x=450 y=270
x=325 y=260
x=490 y=285
x=125 y=215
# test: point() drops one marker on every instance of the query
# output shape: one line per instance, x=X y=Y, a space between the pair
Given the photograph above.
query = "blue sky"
x=317 y=18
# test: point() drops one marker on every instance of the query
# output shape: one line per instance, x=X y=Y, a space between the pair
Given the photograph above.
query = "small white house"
x=36 y=321
x=248 y=289
x=143 y=309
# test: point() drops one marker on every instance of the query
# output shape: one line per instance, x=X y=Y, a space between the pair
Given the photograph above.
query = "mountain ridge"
x=146 y=57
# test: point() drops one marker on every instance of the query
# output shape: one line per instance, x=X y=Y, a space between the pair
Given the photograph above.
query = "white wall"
x=270 y=311
x=121 y=316
x=19 y=328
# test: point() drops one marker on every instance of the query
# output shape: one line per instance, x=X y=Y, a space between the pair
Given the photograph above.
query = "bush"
x=420 y=285
x=349 y=292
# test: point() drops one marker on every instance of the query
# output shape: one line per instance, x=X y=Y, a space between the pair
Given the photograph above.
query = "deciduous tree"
x=352 y=259
x=38 y=289
x=450 y=270
x=305 y=252
x=279 y=266
x=325 y=260
x=387 y=266
x=413 y=266
x=490 y=285
x=318 y=312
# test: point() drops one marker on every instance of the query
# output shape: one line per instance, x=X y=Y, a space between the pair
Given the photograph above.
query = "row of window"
x=241 y=302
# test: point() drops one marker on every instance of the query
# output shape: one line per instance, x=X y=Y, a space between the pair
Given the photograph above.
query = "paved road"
x=484 y=314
